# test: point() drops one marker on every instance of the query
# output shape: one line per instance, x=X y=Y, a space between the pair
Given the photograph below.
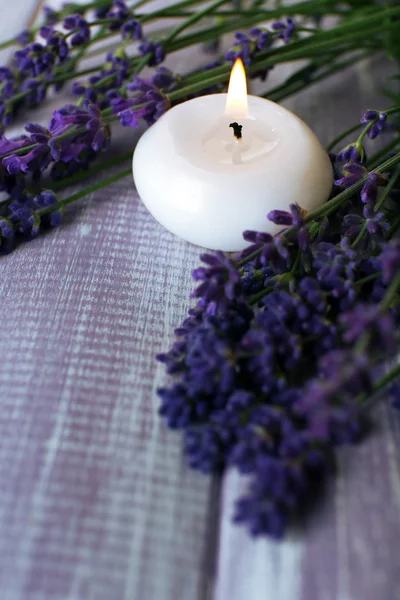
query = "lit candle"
x=214 y=166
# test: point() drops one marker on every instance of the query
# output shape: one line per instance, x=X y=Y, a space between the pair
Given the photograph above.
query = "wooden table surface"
x=96 y=501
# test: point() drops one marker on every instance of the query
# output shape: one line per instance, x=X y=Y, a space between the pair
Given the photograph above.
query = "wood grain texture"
x=96 y=501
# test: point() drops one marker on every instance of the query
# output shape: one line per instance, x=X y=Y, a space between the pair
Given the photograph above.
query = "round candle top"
x=207 y=180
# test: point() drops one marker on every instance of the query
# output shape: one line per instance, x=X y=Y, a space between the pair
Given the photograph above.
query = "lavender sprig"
x=53 y=62
x=272 y=368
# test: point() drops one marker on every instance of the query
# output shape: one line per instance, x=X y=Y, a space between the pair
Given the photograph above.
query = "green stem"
x=181 y=27
x=191 y=20
x=367 y=279
x=78 y=177
x=385 y=380
x=85 y=192
x=366 y=25
x=389 y=186
x=221 y=74
x=142 y=62
x=253 y=300
x=377 y=156
x=364 y=132
x=341 y=136
x=335 y=203
x=341 y=198
x=280 y=55
x=360 y=236
x=289 y=88
x=248 y=258
x=139 y=4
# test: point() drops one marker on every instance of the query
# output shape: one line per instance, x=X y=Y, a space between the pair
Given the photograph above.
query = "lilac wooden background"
x=96 y=502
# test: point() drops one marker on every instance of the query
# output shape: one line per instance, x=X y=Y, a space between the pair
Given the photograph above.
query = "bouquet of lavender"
x=288 y=341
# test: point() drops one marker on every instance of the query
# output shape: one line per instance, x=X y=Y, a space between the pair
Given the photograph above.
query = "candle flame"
x=236 y=102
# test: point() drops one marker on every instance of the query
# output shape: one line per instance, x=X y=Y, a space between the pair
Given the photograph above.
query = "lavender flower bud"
x=6 y=228
x=369 y=115
x=353 y=173
x=280 y=217
x=132 y=30
x=24 y=38
x=369 y=190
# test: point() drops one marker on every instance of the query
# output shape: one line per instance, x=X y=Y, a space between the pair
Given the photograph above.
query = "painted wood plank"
x=97 y=502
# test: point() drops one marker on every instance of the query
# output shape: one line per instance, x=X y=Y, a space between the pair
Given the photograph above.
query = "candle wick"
x=237 y=130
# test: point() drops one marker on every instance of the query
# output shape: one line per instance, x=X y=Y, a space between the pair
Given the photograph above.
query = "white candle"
x=207 y=186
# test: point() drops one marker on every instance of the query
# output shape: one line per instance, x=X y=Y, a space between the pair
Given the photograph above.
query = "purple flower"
x=32 y=71
x=24 y=38
x=33 y=223
x=376 y=222
x=243 y=48
x=147 y=94
x=369 y=190
x=352 y=225
x=352 y=152
x=219 y=281
x=119 y=12
x=45 y=198
x=48 y=148
x=8 y=146
x=132 y=30
x=56 y=43
x=163 y=78
x=38 y=159
x=33 y=60
x=329 y=403
x=200 y=355
x=247 y=47
x=286 y=30
x=155 y=49
x=96 y=136
x=353 y=172
x=205 y=447
x=20 y=214
x=78 y=25
x=282 y=217
x=377 y=118
x=274 y=251
x=262 y=37
x=101 y=87
x=48 y=198
x=367 y=320
x=128 y=118
x=369 y=115
x=6 y=228
x=275 y=484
